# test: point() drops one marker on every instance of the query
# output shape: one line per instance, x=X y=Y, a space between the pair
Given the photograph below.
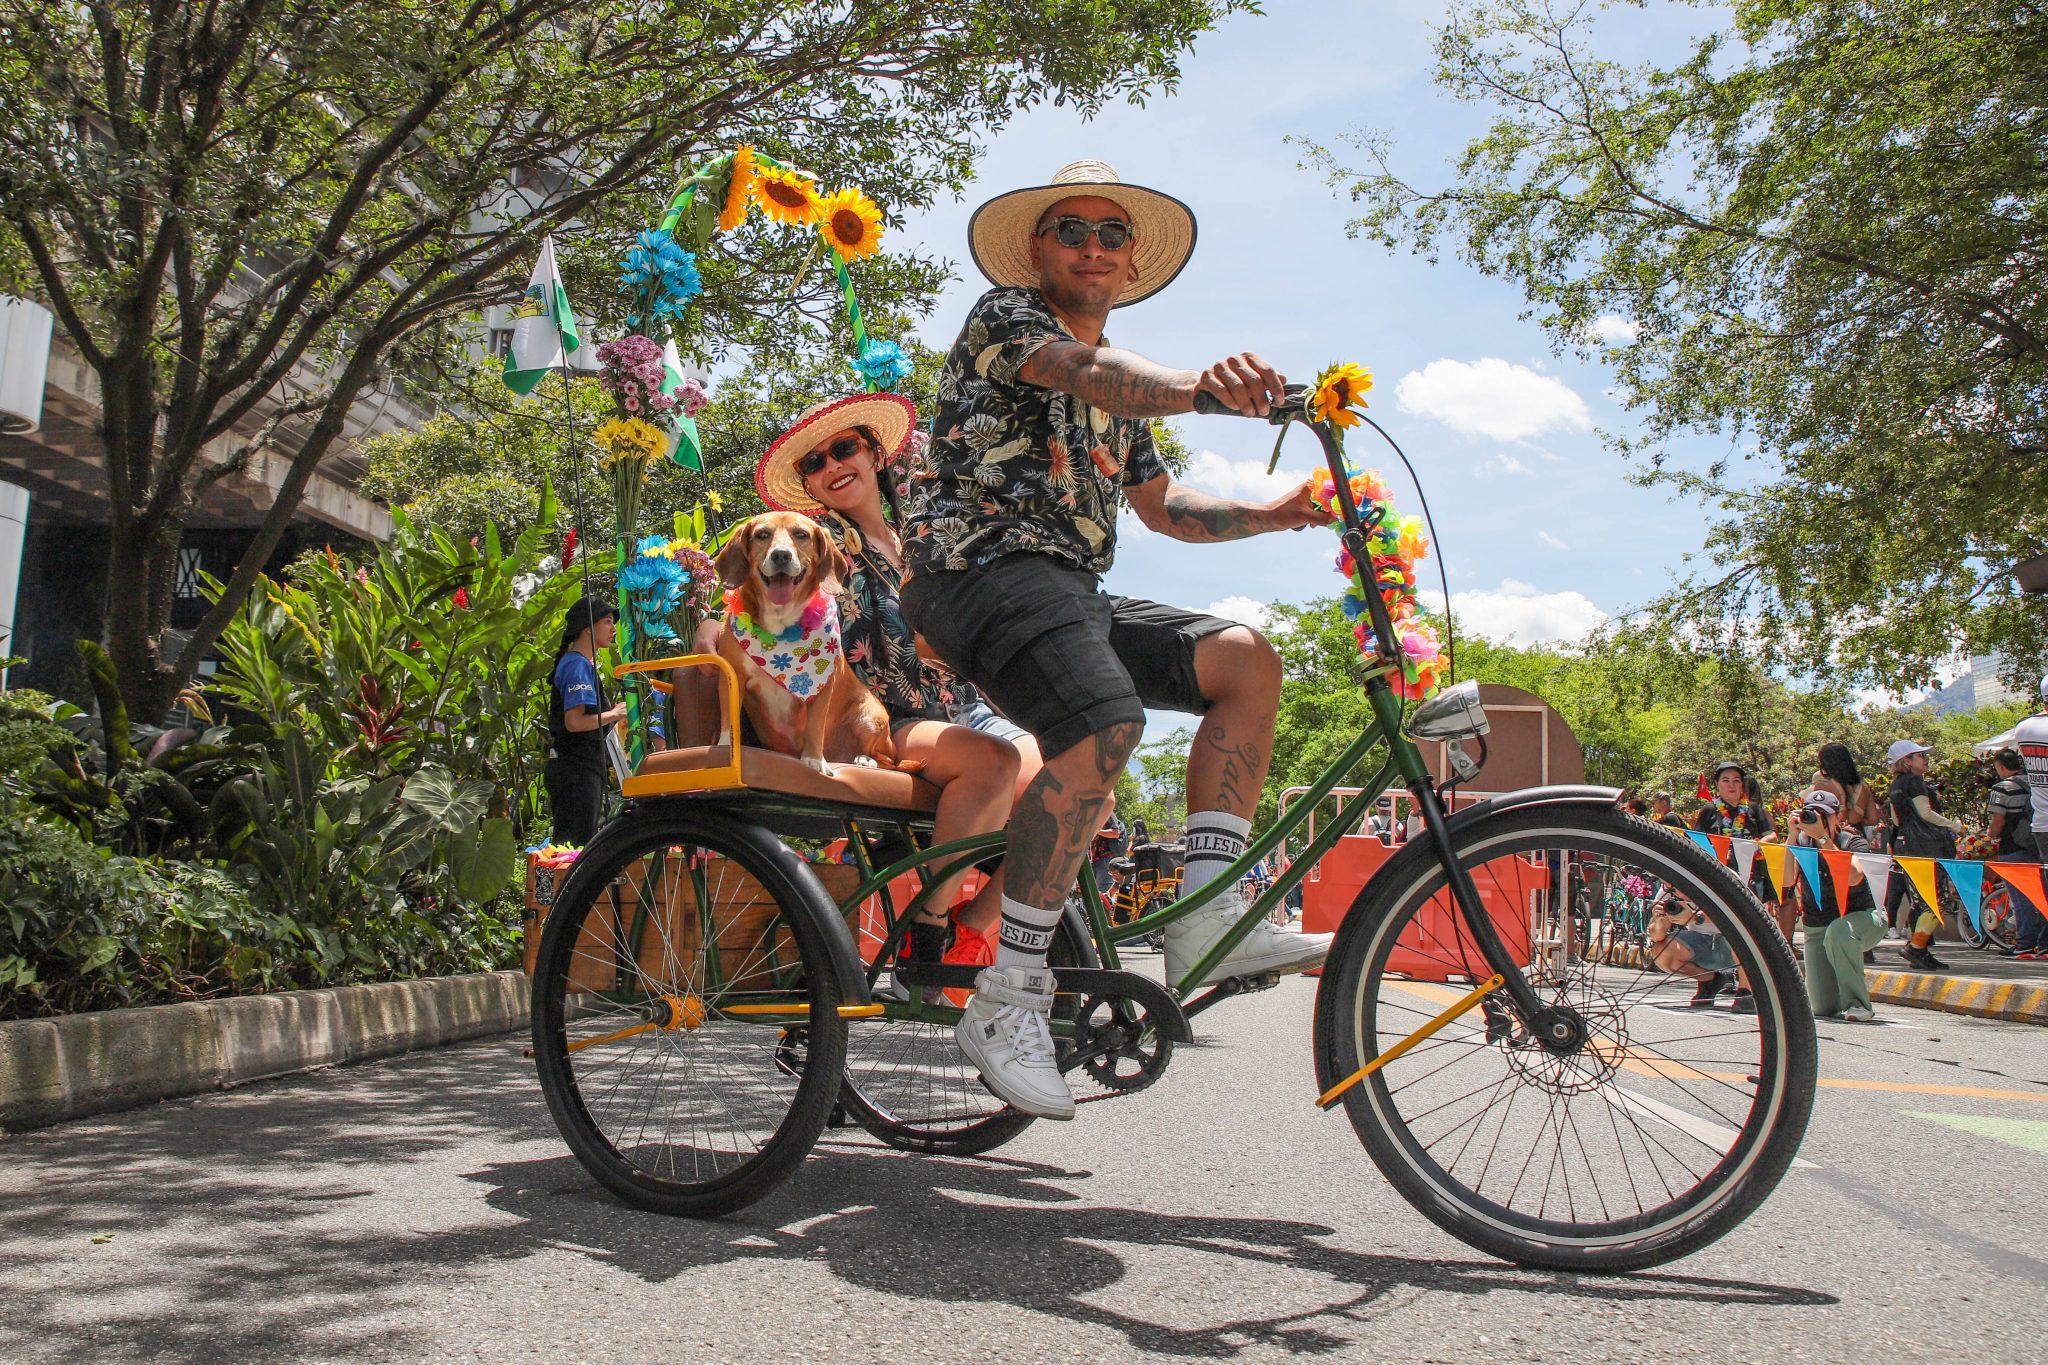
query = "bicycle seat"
x=705 y=768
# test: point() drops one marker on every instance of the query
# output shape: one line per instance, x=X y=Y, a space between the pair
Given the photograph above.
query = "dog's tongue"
x=780 y=590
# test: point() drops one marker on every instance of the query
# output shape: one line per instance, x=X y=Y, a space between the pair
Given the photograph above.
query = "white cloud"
x=1244 y=479
x=1247 y=610
x=1493 y=399
x=1516 y=613
x=1552 y=541
x=1612 y=329
x=1502 y=463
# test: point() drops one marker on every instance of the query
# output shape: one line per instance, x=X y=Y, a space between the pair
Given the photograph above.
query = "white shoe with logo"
x=1267 y=950
x=1006 y=1034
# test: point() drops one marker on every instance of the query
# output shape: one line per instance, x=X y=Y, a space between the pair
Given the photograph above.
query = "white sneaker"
x=1266 y=950
x=1859 y=1014
x=1005 y=1033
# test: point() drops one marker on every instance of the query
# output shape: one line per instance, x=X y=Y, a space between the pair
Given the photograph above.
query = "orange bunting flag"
x=2027 y=878
x=1723 y=846
x=1774 y=856
x=1920 y=871
x=1839 y=861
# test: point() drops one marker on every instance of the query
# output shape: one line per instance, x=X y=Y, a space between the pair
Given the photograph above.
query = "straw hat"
x=1163 y=228
x=889 y=415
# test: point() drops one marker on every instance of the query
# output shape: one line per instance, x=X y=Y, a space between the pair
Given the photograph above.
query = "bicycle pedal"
x=1257 y=983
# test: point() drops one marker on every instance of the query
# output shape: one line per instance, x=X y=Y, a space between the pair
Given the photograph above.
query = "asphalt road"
x=424 y=1208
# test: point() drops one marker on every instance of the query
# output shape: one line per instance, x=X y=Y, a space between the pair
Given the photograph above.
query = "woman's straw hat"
x=889 y=415
x=1162 y=228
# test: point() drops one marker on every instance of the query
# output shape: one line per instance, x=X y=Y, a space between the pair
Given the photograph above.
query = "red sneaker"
x=971 y=949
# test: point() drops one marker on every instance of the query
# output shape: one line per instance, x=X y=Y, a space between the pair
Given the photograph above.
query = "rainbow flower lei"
x=1396 y=544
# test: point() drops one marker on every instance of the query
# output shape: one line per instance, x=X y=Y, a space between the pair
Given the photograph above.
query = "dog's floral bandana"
x=802 y=657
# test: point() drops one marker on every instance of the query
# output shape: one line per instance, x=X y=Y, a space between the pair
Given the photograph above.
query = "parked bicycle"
x=703 y=1005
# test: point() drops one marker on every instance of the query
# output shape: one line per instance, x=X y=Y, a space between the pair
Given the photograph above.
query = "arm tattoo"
x=1121 y=383
x=1197 y=517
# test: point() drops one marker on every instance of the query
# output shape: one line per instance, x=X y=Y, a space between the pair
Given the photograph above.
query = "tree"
x=247 y=213
x=1823 y=235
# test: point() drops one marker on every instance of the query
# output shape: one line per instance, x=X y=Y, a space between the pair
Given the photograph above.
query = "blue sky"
x=1541 y=533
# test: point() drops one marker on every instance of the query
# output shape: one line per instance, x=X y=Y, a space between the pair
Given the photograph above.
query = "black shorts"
x=1055 y=653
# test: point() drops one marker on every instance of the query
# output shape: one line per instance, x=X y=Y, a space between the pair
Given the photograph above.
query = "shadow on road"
x=264 y=1223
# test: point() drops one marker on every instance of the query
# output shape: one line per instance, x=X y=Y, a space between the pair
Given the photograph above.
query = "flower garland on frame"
x=1394 y=545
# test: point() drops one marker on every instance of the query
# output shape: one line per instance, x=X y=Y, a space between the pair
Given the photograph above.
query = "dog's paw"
x=865 y=761
x=818 y=765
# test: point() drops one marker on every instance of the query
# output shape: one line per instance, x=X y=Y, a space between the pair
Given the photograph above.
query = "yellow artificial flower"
x=739 y=191
x=1339 y=389
x=629 y=438
x=851 y=223
x=712 y=500
x=786 y=195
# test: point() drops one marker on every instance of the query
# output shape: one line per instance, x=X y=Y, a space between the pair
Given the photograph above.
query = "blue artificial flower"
x=657 y=265
x=1354 y=606
x=883 y=365
x=800 y=685
x=652 y=547
x=654 y=584
x=782 y=661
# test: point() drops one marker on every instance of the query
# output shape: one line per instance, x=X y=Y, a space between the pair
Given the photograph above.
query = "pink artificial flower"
x=692 y=396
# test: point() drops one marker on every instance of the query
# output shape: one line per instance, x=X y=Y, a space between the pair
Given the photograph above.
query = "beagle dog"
x=782 y=575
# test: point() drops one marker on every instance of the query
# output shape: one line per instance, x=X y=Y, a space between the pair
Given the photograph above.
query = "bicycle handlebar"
x=1294 y=405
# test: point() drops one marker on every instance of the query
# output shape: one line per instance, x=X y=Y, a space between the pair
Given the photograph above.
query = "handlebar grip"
x=1209 y=405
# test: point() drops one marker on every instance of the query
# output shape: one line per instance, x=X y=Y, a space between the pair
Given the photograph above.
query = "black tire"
x=909 y=1085
x=670 y=1102
x=1707 y=1147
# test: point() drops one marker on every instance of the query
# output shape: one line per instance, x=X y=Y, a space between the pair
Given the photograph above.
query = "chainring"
x=1117 y=1045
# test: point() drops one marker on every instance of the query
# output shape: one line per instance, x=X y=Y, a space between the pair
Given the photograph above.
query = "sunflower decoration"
x=1339 y=390
x=786 y=195
x=739 y=191
x=851 y=223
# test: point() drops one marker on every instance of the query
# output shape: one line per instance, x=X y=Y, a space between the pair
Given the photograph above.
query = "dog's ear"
x=833 y=565
x=736 y=560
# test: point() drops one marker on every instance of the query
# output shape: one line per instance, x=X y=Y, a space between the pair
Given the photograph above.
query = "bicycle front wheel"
x=685 y=1012
x=1664 y=1130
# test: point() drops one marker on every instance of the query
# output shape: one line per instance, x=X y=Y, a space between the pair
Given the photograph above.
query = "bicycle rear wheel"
x=685 y=1012
x=909 y=1085
x=1643 y=1145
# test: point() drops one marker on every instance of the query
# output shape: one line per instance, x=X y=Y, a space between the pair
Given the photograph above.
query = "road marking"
x=2029 y=1135
x=1972 y=1092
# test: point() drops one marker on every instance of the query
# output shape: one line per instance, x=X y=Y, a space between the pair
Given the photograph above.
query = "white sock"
x=1026 y=935
x=1215 y=839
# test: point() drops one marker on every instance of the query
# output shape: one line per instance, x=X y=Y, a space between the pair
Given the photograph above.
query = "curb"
x=2020 y=1002
x=77 y=1065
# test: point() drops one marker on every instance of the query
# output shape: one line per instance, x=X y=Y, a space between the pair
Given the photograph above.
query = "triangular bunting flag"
x=1968 y=880
x=1774 y=863
x=1839 y=861
x=1809 y=867
x=1920 y=871
x=1745 y=857
x=1722 y=846
x=2027 y=878
x=1877 y=870
x=1702 y=840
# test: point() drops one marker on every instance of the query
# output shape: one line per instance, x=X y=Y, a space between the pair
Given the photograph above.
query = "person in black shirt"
x=577 y=717
x=1919 y=830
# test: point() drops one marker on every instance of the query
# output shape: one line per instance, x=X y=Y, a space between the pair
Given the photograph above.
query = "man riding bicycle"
x=1011 y=520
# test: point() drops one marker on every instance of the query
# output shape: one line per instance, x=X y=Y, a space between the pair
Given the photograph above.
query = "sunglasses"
x=842 y=450
x=1069 y=231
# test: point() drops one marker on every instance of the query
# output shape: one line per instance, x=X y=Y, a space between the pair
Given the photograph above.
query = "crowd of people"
x=1840 y=809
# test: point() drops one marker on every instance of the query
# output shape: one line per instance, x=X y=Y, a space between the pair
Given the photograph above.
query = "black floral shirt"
x=1014 y=468
x=879 y=644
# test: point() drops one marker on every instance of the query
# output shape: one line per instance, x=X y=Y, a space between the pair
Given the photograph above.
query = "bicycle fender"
x=853 y=976
x=1564 y=794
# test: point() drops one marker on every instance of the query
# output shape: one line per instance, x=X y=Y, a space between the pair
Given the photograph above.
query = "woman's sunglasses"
x=842 y=450
x=1069 y=231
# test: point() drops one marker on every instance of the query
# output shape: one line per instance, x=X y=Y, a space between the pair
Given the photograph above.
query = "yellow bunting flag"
x=1921 y=872
x=1774 y=856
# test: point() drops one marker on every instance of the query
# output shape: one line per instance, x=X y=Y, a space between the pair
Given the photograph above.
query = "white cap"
x=2044 y=687
x=1904 y=748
